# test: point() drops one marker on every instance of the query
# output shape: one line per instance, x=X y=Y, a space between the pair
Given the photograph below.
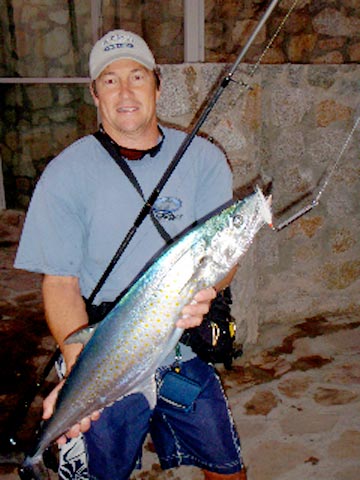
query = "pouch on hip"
x=178 y=391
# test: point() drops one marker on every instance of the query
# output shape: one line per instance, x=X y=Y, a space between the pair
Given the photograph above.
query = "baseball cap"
x=116 y=45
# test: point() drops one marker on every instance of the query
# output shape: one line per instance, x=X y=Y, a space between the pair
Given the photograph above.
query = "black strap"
x=113 y=151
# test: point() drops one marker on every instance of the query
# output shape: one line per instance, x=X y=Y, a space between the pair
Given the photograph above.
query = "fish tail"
x=33 y=468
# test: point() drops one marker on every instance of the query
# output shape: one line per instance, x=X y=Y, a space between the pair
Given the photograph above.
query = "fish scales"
x=127 y=346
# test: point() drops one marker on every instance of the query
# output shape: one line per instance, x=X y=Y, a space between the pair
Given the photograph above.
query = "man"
x=82 y=208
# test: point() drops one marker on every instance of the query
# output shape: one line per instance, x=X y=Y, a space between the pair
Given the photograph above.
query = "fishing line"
x=273 y=38
x=253 y=70
x=324 y=184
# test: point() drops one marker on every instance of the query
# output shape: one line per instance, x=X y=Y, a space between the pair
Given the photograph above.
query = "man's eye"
x=110 y=81
x=138 y=76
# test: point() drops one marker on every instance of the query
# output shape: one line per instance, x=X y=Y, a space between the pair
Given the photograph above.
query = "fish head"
x=237 y=226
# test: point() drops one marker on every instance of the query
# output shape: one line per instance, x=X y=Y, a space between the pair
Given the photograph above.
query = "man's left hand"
x=193 y=313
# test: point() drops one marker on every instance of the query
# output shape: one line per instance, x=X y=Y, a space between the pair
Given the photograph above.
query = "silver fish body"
x=136 y=336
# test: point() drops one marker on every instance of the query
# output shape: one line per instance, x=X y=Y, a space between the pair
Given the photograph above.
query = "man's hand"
x=193 y=313
x=75 y=430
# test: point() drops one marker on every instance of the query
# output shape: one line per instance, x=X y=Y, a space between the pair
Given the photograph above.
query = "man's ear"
x=93 y=91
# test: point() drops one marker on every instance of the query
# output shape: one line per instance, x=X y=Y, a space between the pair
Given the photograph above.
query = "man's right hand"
x=81 y=427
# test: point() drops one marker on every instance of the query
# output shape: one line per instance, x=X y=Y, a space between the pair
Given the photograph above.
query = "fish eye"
x=238 y=221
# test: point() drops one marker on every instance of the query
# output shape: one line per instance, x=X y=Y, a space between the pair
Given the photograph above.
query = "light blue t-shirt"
x=84 y=205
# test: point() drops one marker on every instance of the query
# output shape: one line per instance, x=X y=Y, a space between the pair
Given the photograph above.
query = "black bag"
x=214 y=340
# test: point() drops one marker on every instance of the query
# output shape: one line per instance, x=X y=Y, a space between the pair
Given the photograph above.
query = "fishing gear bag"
x=214 y=339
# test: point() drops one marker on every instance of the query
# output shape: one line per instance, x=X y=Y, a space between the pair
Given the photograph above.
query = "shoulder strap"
x=115 y=154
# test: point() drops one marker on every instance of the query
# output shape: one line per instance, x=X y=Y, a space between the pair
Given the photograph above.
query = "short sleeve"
x=215 y=184
x=52 y=237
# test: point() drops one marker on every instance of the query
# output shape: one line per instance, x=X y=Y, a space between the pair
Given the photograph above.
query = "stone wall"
x=287 y=129
x=317 y=31
x=54 y=37
x=38 y=122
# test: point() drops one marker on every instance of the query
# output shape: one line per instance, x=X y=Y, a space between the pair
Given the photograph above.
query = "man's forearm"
x=225 y=282
x=65 y=312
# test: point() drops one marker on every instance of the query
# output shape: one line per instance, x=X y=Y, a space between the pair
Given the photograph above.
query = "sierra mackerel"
x=122 y=352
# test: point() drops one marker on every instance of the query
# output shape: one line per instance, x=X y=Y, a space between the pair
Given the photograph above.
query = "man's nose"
x=125 y=89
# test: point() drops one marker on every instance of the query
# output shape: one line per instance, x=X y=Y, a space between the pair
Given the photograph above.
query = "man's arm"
x=65 y=312
x=225 y=282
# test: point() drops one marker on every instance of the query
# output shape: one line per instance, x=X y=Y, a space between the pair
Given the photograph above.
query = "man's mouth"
x=127 y=109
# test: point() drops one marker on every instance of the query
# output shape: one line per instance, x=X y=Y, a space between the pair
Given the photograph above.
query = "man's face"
x=126 y=96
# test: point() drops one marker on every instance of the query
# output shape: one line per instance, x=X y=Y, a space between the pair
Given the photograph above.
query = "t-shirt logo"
x=167 y=208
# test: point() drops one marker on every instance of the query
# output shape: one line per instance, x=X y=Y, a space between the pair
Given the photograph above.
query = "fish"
x=122 y=352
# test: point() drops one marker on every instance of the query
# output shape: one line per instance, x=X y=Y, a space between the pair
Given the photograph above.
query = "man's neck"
x=137 y=153
x=135 y=140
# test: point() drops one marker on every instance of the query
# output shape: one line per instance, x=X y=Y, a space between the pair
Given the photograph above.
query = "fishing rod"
x=19 y=418
x=330 y=173
x=180 y=152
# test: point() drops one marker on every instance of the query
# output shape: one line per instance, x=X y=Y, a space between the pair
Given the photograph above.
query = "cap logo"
x=118 y=41
x=118 y=45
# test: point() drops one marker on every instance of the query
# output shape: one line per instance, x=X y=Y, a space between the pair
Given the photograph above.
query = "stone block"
x=334 y=396
x=262 y=403
x=329 y=111
x=277 y=459
x=56 y=43
x=294 y=387
x=340 y=276
x=288 y=105
x=61 y=17
x=354 y=52
x=308 y=422
x=301 y=46
x=330 y=58
x=334 y=23
x=347 y=446
x=40 y=96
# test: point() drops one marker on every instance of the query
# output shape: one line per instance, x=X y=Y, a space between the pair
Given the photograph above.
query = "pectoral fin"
x=82 y=336
x=148 y=389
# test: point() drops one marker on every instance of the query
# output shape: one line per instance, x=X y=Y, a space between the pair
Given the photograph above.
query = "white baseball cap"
x=116 y=45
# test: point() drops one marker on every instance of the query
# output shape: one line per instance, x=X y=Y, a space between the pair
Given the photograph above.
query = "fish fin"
x=82 y=336
x=265 y=206
x=148 y=389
